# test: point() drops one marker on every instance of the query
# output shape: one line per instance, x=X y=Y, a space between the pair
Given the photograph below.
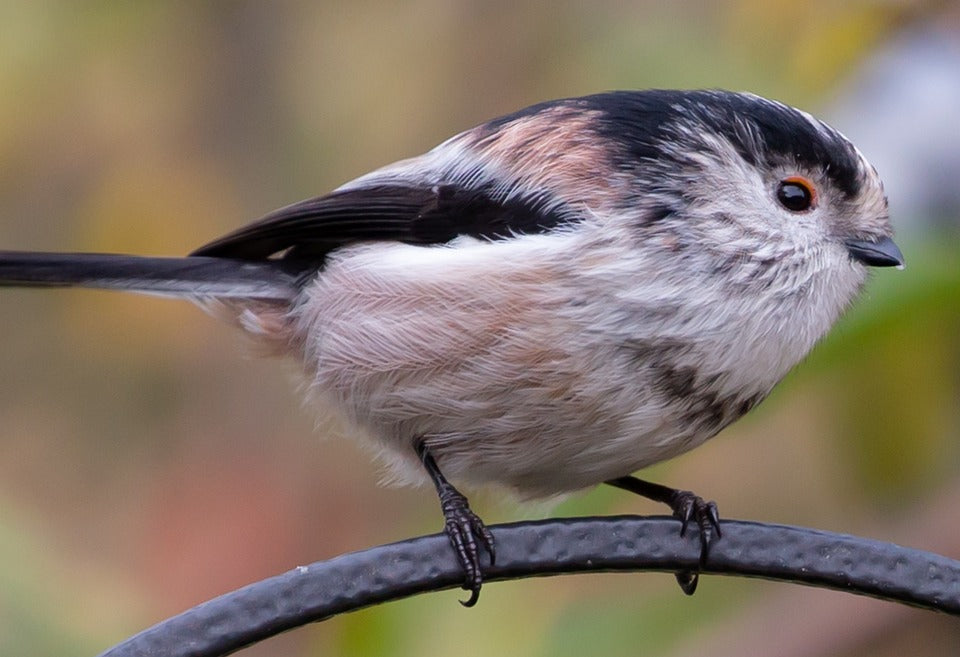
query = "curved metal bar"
x=628 y=543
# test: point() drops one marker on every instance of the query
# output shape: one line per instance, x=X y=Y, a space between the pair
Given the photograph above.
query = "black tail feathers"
x=192 y=277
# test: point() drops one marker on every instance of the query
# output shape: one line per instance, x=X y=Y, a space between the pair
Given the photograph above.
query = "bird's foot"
x=464 y=528
x=686 y=506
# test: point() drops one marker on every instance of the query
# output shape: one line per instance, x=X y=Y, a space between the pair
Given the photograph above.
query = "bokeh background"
x=147 y=463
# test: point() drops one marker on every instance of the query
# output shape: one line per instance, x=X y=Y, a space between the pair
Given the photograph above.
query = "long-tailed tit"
x=553 y=299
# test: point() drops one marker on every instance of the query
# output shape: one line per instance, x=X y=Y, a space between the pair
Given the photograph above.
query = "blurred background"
x=147 y=463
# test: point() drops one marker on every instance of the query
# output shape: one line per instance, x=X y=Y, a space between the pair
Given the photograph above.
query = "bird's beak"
x=882 y=253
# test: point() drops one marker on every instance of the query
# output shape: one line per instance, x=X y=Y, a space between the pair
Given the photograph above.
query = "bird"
x=551 y=300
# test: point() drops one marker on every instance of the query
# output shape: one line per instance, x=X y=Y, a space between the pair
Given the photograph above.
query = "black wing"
x=393 y=211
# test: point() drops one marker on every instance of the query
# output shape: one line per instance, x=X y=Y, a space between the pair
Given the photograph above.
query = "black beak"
x=883 y=253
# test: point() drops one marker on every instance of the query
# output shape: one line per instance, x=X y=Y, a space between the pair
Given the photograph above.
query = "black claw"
x=688 y=580
x=714 y=517
x=474 y=596
x=684 y=511
x=487 y=539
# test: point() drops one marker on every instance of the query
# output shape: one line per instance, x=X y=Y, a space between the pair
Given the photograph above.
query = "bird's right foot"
x=462 y=526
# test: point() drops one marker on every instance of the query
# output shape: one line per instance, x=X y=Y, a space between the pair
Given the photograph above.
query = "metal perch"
x=537 y=549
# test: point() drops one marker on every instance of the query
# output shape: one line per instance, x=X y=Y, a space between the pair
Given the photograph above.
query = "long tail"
x=192 y=277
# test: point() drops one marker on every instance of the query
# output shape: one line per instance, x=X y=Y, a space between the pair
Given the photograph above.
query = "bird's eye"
x=796 y=194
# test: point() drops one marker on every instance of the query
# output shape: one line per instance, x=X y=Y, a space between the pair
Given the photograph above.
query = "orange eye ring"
x=796 y=194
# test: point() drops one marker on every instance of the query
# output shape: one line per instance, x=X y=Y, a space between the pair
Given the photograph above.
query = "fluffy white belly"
x=519 y=370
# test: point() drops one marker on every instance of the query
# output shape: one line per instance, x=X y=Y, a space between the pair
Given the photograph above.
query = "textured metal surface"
x=629 y=543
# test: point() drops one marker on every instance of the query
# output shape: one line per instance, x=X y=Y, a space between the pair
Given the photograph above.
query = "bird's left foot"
x=686 y=506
